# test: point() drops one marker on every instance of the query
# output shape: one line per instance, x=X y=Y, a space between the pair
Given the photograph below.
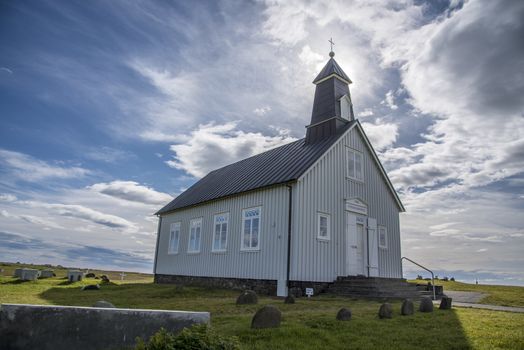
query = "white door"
x=361 y=249
x=373 y=247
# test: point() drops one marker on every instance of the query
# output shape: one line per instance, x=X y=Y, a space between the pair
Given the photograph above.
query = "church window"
x=355 y=164
x=195 y=235
x=251 y=228
x=174 y=238
x=382 y=237
x=323 y=226
x=220 y=232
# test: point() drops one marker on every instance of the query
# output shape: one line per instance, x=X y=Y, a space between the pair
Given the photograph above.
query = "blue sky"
x=109 y=109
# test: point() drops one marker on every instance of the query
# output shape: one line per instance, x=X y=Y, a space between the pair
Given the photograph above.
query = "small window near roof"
x=323 y=226
x=174 y=238
x=355 y=164
x=382 y=237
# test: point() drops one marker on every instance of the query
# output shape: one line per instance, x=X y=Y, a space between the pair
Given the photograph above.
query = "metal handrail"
x=425 y=268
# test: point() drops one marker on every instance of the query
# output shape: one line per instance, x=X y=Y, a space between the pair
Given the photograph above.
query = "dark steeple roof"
x=330 y=68
x=332 y=107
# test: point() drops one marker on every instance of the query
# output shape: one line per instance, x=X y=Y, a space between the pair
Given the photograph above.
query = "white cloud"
x=88 y=214
x=381 y=135
x=132 y=191
x=390 y=100
x=311 y=58
x=262 y=110
x=107 y=154
x=26 y=168
x=367 y=112
x=213 y=146
x=7 y=70
x=6 y=197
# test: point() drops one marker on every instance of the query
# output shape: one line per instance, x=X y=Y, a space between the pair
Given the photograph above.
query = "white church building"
x=300 y=215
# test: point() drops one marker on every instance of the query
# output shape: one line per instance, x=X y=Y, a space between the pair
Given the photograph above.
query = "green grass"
x=308 y=324
x=495 y=295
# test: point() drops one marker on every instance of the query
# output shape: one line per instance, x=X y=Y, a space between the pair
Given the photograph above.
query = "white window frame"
x=385 y=229
x=327 y=237
x=351 y=152
x=175 y=226
x=194 y=223
x=242 y=247
x=226 y=222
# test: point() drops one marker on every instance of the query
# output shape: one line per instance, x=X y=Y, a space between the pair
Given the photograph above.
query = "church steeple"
x=332 y=107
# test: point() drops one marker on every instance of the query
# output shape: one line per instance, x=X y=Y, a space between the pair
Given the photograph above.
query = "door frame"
x=354 y=208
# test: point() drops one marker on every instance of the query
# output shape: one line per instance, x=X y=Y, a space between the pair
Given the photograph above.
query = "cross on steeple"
x=332 y=43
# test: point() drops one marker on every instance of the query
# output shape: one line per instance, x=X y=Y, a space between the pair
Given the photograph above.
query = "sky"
x=110 y=109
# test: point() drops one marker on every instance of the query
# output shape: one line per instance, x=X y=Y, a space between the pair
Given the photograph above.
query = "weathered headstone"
x=267 y=317
x=46 y=273
x=426 y=305
x=74 y=275
x=91 y=287
x=344 y=314
x=248 y=297
x=445 y=303
x=104 y=304
x=104 y=278
x=90 y=275
x=289 y=300
x=385 y=311
x=407 y=308
x=18 y=273
x=30 y=275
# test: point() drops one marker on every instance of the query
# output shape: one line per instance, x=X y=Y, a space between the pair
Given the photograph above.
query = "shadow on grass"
x=17 y=281
x=308 y=324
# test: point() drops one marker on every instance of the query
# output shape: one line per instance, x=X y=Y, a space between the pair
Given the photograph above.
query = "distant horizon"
x=110 y=110
x=411 y=276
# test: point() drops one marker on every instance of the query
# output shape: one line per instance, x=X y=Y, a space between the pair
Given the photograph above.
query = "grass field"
x=495 y=295
x=308 y=324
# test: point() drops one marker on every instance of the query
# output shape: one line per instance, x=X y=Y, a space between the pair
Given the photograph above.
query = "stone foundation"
x=262 y=287
x=298 y=288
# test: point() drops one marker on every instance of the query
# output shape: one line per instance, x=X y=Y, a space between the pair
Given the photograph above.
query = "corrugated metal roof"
x=331 y=67
x=276 y=166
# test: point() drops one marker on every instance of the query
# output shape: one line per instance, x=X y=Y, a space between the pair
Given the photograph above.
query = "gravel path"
x=465 y=297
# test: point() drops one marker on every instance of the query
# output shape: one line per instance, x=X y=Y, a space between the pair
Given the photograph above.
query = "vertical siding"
x=324 y=188
x=267 y=263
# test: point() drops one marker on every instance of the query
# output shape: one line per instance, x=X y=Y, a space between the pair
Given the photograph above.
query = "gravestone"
x=426 y=305
x=74 y=275
x=18 y=273
x=248 y=297
x=90 y=275
x=46 y=273
x=289 y=300
x=344 y=314
x=30 y=275
x=104 y=278
x=267 y=317
x=407 y=308
x=385 y=311
x=104 y=304
x=445 y=303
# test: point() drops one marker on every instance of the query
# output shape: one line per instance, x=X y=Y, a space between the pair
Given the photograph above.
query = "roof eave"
x=160 y=212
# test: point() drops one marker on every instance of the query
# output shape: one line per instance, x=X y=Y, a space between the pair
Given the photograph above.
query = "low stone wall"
x=263 y=287
x=68 y=327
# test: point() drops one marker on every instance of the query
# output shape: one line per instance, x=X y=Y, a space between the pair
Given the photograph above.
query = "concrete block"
x=74 y=275
x=49 y=327
x=30 y=275
x=46 y=273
